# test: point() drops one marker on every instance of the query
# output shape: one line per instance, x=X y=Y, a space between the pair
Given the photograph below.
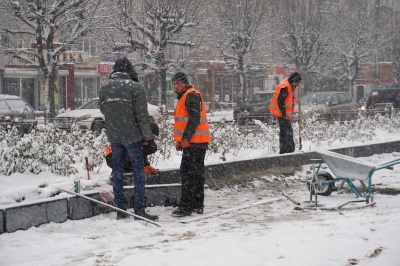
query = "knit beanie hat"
x=296 y=77
x=180 y=76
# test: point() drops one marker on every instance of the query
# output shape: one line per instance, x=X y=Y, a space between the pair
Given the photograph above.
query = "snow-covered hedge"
x=48 y=149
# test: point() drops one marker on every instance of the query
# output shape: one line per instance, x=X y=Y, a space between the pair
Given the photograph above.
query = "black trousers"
x=192 y=178
x=286 y=141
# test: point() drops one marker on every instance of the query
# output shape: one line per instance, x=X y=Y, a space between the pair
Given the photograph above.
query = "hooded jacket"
x=123 y=104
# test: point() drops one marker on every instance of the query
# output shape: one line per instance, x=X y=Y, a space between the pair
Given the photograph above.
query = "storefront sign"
x=104 y=68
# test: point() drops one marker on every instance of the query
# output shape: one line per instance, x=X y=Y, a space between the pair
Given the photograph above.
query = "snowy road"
x=270 y=234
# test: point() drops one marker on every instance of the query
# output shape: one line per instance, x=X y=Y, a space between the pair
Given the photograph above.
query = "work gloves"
x=149 y=147
x=182 y=145
x=150 y=170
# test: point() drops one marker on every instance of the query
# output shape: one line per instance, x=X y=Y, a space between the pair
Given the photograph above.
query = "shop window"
x=88 y=45
x=28 y=90
x=12 y=86
x=85 y=90
x=23 y=87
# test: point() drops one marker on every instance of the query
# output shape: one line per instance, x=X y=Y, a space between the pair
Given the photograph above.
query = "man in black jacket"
x=191 y=133
x=123 y=103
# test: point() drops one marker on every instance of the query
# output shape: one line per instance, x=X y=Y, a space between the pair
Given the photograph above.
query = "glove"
x=149 y=147
x=178 y=146
x=185 y=144
x=150 y=170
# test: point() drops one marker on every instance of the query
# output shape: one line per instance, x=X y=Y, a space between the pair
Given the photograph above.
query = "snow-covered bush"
x=48 y=149
x=165 y=141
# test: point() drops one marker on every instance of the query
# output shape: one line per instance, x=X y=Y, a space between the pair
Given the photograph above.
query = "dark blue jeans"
x=134 y=150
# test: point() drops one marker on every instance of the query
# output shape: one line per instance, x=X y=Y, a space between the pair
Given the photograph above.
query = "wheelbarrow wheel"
x=323 y=190
x=327 y=189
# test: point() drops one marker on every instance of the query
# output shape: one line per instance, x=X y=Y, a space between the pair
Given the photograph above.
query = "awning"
x=20 y=73
x=86 y=74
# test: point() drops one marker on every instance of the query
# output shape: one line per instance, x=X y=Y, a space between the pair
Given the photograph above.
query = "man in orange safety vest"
x=282 y=106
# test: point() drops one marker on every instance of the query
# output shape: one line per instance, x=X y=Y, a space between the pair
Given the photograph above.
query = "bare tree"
x=42 y=22
x=153 y=26
x=238 y=22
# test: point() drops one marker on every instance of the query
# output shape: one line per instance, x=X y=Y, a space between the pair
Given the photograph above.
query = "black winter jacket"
x=123 y=104
x=281 y=101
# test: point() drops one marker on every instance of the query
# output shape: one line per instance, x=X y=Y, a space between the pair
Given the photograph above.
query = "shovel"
x=298 y=102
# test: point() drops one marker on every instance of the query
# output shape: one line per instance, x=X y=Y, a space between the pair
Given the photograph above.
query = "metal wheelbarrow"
x=345 y=169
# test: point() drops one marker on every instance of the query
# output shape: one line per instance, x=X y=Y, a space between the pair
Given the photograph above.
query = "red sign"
x=280 y=70
x=218 y=64
x=104 y=69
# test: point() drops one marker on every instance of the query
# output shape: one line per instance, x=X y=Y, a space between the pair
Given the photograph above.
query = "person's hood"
x=120 y=75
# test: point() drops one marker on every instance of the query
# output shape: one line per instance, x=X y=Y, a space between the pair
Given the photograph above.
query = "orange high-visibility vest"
x=108 y=150
x=202 y=134
x=290 y=101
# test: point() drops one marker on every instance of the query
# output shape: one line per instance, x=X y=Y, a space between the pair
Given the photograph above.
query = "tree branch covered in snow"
x=42 y=22
x=152 y=27
x=360 y=42
x=238 y=23
x=303 y=36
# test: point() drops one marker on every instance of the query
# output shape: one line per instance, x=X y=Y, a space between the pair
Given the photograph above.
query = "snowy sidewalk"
x=271 y=234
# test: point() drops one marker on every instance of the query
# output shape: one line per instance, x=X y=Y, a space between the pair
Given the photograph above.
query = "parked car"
x=256 y=107
x=329 y=104
x=384 y=97
x=15 y=111
x=89 y=117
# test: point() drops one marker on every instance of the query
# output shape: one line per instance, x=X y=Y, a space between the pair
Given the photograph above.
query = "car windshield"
x=18 y=105
x=388 y=93
x=262 y=97
x=4 y=106
x=314 y=99
x=93 y=104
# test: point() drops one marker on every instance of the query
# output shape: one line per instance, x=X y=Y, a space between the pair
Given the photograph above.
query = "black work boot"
x=142 y=213
x=199 y=210
x=181 y=212
x=122 y=215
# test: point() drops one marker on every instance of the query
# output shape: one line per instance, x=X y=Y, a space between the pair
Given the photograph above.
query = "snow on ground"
x=270 y=234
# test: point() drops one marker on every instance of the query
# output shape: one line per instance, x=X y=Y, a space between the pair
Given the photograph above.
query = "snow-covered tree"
x=302 y=35
x=361 y=39
x=42 y=23
x=238 y=23
x=152 y=26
